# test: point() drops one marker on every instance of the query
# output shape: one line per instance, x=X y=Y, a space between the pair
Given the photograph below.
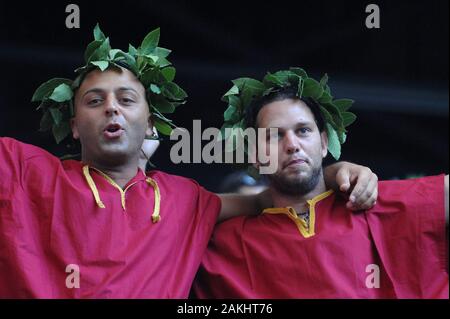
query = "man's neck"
x=121 y=173
x=298 y=202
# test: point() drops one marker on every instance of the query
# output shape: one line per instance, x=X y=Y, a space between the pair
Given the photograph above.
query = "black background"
x=398 y=74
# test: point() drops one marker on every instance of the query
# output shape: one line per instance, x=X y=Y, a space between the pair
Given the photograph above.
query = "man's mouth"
x=295 y=162
x=113 y=131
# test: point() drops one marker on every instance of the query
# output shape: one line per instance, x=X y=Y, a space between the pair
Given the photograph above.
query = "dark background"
x=397 y=74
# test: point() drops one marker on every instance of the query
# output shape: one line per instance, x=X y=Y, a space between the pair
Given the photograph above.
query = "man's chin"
x=297 y=174
x=115 y=151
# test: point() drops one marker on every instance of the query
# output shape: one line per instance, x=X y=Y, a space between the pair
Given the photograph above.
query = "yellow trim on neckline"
x=156 y=210
x=306 y=230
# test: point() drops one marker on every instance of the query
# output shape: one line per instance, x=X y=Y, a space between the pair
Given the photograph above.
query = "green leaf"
x=294 y=79
x=300 y=72
x=325 y=98
x=333 y=142
x=102 y=65
x=249 y=88
x=163 y=62
x=250 y=84
x=98 y=34
x=128 y=59
x=113 y=53
x=300 y=87
x=233 y=91
x=348 y=118
x=60 y=132
x=45 y=89
x=158 y=115
x=312 y=89
x=324 y=81
x=342 y=137
x=162 y=104
x=270 y=80
x=269 y=90
x=163 y=127
x=46 y=122
x=132 y=50
x=150 y=42
x=155 y=89
x=231 y=114
x=152 y=76
x=235 y=101
x=61 y=93
x=343 y=104
x=246 y=98
x=153 y=59
x=90 y=49
x=173 y=91
x=169 y=73
x=162 y=52
x=284 y=76
x=327 y=115
x=101 y=53
x=56 y=115
x=338 y=122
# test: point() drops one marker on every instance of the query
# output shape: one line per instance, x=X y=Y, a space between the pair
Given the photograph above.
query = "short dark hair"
x=252 y=111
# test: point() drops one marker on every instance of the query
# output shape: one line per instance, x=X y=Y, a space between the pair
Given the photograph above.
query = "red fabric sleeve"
x=16 y=157
x=408 y=229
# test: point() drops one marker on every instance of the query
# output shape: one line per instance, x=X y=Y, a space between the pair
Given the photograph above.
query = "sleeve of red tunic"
x=408 y=229
x=26 y=166
x=11 y=158
x=188 y=216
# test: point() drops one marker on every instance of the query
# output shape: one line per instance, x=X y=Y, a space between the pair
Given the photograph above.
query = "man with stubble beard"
x=309 y=244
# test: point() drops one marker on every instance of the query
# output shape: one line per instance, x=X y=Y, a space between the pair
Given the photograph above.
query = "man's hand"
x=355 y=180
x=148 y=149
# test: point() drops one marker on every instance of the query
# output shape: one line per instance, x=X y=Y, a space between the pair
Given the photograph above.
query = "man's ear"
x=324 y=139
x=73 y=126
x=149 y=131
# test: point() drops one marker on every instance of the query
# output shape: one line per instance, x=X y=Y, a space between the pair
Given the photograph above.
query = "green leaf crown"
x=334 y=111
x=148 y=62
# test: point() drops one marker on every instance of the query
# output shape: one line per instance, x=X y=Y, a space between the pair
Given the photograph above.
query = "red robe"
x=54 y=214
x=275 y=255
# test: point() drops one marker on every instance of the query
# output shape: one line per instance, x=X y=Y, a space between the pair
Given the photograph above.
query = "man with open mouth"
x=102 y=227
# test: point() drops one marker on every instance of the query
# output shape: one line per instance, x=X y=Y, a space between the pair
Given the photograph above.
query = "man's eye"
x=304 y=130
x=126 y=100
x=94 y=101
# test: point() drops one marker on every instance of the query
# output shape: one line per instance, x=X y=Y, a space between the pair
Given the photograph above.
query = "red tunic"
x=50 y=218
x=276 y=255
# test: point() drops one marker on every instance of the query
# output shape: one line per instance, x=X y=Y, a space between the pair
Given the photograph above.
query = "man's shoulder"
x=421 y=185
x=22 y=150
x=160 y=175
x=424 y=193
x=175 y=182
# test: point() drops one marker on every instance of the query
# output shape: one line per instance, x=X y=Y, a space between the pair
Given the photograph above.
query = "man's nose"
x=111 y=107
x=291 y=143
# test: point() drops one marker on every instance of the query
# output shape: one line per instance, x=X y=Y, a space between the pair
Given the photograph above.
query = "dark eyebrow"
x=124 y=88
x=98 y=90
x=304 y=123
x=94 y=90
